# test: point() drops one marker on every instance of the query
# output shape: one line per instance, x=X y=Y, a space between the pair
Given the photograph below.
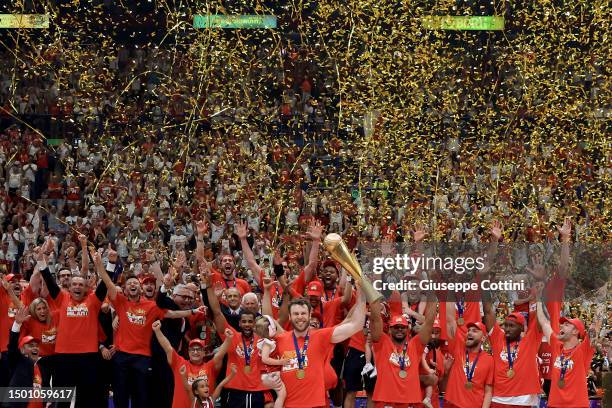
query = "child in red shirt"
x=266 y=328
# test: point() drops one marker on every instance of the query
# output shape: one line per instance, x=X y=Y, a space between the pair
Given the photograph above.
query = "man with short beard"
x=572 y=352
x=132 y=361
x=470 y=381
x=149 y=286
x=77 y=332
x=308 y=351
x=397 y=358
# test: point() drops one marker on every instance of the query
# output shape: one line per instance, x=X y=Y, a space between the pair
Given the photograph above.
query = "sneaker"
x=374 y=373
x=367 y=368
x=427 y=402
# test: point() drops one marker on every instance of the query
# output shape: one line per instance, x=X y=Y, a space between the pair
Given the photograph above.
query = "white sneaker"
x=374 y=373
x=427 y=402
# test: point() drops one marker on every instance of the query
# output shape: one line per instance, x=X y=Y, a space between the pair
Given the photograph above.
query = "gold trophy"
x=337 y=249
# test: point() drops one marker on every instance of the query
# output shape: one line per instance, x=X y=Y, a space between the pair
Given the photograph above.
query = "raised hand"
x=228 y=333
x=419 y=233
x=496 y=230
x=156 y=326
x=538 y=271
x=83 y=240
x=202 y=228
x=22 y=315
x=241 y=230
x=314 y=232
x=565 y=230
x=267 y=284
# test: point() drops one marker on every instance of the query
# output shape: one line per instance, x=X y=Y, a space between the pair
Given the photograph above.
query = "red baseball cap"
x=315 y=288
x=12 y=276
x=147 y=277
x=479 y=325
x=398 y=320
x=197 y=342
x=26 y=340
x=517 y=317
x=577 y=323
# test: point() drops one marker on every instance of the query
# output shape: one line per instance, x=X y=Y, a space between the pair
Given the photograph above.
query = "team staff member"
x=572 y=352
x=77 y=333
x=308 y=351
x=195 y=368
x=517 y=382
x=132 y=360
x=397 y=358
x=470 y=381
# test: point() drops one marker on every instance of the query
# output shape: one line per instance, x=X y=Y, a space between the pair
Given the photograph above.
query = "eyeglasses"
x=196 y=349
x=65 y=275
x=186 y=297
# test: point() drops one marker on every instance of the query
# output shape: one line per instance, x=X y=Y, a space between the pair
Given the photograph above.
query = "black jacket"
x=21 y=368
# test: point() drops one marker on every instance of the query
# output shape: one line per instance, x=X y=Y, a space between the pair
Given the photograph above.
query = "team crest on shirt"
x=568 y=361
x=394 y=359
x=48 y=337
x=201 y=375
x=293 y=362
x=79 y=310
x=504 y=355
x=12 y=312
x=137 y=316
x=240 y=351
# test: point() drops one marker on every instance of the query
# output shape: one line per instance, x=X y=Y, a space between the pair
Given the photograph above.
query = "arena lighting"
x=464 y=23
x=24 y=21
x=236 y=21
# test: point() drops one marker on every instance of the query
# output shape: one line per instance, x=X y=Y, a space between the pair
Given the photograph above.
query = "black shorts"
x=243 y=399
x=353 y=380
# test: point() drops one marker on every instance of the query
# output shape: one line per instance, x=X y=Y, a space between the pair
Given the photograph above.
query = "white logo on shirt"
x=77 y=311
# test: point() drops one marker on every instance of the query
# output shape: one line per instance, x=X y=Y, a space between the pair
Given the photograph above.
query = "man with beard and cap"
x=308 y=350
x=470 y=380
x=76 y=345
x=397 y=358
x=517 y=381
x=572 y=352
x=245 y=388
x=132 y=360
x=149 y=286
x=23 y=356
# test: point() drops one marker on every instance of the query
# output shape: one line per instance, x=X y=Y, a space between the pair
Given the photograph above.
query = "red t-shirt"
x=206 y=371
x=7 y=316
x=545 y=354
x=310 y=391
x=526 y=379
x=574 y=393
x=390 y=387
x=456 y=393
x=45 y=333
x=243 y=381
x=135 y=324
x=78 y=324
x=439 y=367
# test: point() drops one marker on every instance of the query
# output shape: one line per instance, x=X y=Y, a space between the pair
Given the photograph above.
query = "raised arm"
x=163 y=340
x=186 y=386
x=247 y=253
x=9 y=290
x=213 y=301
x=354 y=323
x=565 y=234
x=266 y=299
x=488 y=310
x=41 y=261
x=544 y=321
x=219 y=388
x=110 y=286
x=223 y=349
x=103 y=287
x=347 y=294
x=314 y=233
x=376 y=323
x=427 y=327
x=84 y=257
x=451 y=321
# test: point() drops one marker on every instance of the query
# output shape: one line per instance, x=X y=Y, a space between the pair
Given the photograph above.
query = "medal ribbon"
x=321 y=311
x=301 y=355
x=469 y=371
x=227 y=286
x=511 y=354
x=564 y=364
x=460 y=307
x=247 y=351
x=332 y=295
x=402 y=357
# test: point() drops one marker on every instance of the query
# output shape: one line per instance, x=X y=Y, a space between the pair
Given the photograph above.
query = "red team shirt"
x=390 y=388
x=135 y=324
x=308 y=392
x=78 y=322
x=578 y=360
x=526 y=379
x=456 y=393
x=243 y=381
x=206 y=371
x=45 y=333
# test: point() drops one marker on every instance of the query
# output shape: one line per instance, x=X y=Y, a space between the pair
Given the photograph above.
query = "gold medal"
x=247 y=369
x=561 y=383
x=461 y=322
x=469 y=385
x=300 y=374
x=403 y=374
x=510 y=373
